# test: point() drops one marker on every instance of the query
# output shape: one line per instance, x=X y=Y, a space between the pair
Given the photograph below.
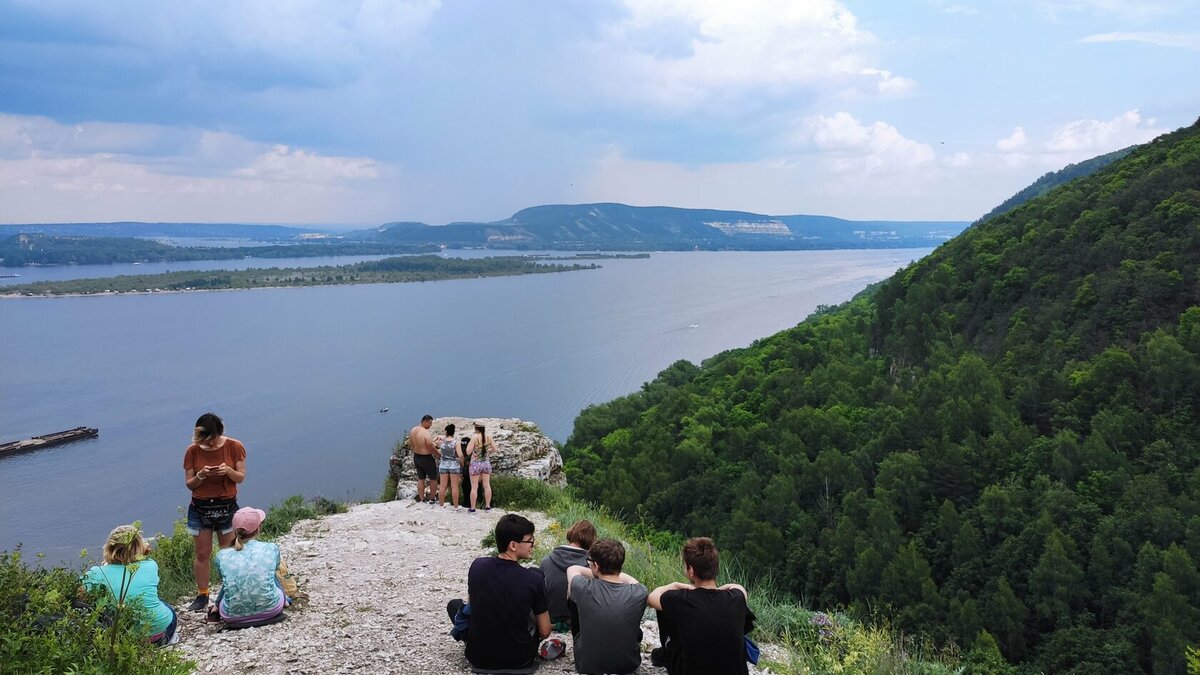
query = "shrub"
x=47 y=626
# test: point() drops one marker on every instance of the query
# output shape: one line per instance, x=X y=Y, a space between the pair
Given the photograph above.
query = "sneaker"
x=198 y=604
x=470 y=510
x=487 y=508
x=658 y=657
x=174 y=638
x=551 y=648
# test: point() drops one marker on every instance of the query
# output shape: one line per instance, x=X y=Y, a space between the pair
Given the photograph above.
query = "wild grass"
x=805 y=641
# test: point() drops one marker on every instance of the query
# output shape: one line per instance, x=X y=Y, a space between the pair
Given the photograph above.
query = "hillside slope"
x=622 y=227
x=1004 y=437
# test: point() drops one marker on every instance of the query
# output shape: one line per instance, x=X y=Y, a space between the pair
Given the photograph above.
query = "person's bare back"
x=421 y=441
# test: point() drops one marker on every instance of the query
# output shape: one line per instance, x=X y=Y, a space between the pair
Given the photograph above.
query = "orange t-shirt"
x=215 y=487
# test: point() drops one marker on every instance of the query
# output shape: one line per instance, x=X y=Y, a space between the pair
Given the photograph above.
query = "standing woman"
x=481 y=466
x=213 y=465
x=450 y=467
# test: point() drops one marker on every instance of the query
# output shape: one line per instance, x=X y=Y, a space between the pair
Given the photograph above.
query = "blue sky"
x=369 y=111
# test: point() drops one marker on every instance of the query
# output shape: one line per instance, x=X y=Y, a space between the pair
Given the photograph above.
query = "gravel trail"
x=378 y=579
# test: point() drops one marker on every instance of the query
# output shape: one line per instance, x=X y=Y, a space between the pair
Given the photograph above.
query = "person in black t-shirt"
x=508 y=615
x=701 y=624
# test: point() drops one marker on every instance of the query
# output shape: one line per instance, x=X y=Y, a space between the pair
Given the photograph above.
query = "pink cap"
x=249 y=519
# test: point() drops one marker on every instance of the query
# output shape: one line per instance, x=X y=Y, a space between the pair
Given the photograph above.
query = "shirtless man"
x=424 y=451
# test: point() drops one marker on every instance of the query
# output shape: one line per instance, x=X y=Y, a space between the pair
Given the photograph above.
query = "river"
x=299 y=375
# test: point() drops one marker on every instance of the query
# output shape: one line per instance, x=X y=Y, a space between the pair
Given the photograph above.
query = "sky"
x=359 y=112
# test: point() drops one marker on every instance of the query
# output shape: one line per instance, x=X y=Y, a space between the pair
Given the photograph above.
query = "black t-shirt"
x=710 y=626
x=504 y=597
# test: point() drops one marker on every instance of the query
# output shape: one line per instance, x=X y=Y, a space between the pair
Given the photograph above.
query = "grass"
x=47 y=626
x=176 y=552
x=810 y=641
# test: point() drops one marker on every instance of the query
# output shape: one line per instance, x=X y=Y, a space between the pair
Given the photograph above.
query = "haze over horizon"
x=363 y=112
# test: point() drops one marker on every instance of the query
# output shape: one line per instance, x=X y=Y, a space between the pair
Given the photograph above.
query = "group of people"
x=251 y=592
x=511 y=611
x=444 y=459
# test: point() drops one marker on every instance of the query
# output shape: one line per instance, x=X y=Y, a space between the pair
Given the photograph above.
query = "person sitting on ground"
x=250 y=592
x=420 y=441
x=701 y=624
x=481 y=466
x=449 y=469
x=127 y=569
x=504 y=596
x=554 y=567
x=607 y=611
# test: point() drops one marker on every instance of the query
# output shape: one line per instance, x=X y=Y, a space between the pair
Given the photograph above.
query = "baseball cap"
x=249 y=519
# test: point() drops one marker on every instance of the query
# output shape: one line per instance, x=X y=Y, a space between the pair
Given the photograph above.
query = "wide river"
x=299 y=375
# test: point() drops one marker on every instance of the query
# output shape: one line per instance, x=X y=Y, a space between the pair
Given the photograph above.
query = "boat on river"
x=56 y=438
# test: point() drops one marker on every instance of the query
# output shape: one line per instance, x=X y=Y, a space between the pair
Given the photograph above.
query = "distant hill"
x=997 y=447
x=622 y=227
x=163 y=230
x=1053 y=179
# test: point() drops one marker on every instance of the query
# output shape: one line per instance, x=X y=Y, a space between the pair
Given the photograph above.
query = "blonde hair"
x=241 y=536
x=125 y=545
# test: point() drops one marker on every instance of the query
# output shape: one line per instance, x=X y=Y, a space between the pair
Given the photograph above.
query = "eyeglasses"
x=526 y=541
x=591 y=560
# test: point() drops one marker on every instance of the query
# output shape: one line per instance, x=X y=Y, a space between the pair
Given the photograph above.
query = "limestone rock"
x=522 y=450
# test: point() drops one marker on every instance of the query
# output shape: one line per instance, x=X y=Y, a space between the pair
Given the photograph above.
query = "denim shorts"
x=197 y=522
x=449 y=466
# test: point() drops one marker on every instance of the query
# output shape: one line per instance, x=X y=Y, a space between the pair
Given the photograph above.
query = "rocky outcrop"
x=522 y=450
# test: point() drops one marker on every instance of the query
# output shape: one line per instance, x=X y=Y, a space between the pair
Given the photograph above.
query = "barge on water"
x=48 y=440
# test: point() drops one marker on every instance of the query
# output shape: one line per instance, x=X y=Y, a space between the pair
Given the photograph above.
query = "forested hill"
x=1053 y=179
x=998 y=445
x=646 y=228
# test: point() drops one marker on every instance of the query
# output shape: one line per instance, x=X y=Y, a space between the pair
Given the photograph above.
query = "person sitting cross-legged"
x=702 y=625
x=506 y=616
x=607 y=607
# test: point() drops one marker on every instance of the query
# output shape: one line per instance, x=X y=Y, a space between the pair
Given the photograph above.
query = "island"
x=386 y=271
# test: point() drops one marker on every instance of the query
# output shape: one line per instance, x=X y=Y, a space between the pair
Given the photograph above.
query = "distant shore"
x=390 y=270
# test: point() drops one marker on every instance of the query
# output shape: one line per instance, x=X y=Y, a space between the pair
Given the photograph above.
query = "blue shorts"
x=197 y=520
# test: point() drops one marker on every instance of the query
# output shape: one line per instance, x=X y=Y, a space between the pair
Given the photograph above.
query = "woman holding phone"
x=213 y=465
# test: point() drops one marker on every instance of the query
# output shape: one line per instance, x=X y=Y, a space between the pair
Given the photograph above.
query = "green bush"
x=47 y=626
x=512 y=494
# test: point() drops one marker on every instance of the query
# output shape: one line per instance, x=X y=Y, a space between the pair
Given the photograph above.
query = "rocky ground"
x=378 y=578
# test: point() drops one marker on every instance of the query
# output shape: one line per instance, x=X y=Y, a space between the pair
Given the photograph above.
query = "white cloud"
x=281 y=163
x=850 y=146
x=1129 y=9
x=122 y=171
x=1181 y=40
x=727 y=48
x=1014 y=142
x=1096 y=137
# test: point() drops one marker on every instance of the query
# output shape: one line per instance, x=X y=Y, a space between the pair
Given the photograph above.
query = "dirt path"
x=378 y=578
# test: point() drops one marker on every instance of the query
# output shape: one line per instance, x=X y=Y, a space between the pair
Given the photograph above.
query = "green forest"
x=46 y=249
x=386 y=271
x=1000 y=445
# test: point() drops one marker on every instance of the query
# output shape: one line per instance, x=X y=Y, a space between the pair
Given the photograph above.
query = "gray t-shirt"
x=610 y=633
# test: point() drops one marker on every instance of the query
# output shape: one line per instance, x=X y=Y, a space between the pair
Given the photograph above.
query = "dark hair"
x=510 y=528
x=449 y=429
x=427 y=418
x=700 y=553
x=609 y=555
x=582 y=533
x=208 y=426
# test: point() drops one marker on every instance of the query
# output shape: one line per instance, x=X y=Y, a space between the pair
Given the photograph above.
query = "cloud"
x=1180 y=40
x=850 y=146
x=1097 y=137
x=122 y=171
x=720 y=50
x=1128 y=9
x=1014 y=142
x=281 y=163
